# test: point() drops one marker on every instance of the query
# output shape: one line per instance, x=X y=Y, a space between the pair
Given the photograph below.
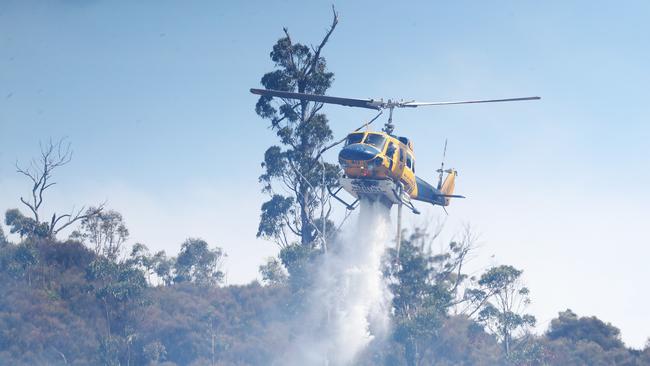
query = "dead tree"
x=40 y=172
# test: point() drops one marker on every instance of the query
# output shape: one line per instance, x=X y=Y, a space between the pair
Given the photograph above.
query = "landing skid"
x=405 y=200
x=382 y=190
x=349 y=206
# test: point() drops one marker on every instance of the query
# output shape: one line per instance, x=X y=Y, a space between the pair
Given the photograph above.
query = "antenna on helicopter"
x=442 y=166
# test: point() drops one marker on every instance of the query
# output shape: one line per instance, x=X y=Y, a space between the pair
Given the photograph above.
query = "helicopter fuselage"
x=381 y=166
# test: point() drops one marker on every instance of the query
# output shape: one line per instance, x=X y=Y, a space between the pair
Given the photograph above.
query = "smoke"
x=348 y=306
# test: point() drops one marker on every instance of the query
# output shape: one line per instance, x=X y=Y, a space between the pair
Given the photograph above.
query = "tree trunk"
x=305 y=220
x=411 y=353
x=108 y=320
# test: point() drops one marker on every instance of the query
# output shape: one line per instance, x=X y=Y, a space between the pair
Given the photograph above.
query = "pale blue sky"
x=154 y=97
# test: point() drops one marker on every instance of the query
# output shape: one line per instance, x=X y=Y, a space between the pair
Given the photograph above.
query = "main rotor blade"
x=420 y=104
x=349 y=102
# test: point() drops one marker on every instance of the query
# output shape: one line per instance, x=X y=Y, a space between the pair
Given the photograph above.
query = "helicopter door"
x=401 y=167
x=390 y=153
x=407 y=173
x=409 y=163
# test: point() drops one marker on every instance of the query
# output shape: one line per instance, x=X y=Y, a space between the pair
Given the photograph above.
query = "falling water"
x=348 y=306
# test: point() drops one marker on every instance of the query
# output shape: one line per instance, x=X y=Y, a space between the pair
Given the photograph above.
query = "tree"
x=3 y=239
x=26 y=257
x=119 y=287
x=569 y=326
x=163 y=267
x=273 y=274
x=142 y=259
x=105 y=231
x=40 y=172
x=154 y=352
x=644 y=357
x=425 y=286
x=295 y=177
x=25 y=226
x=199 y=264
x=501 y=300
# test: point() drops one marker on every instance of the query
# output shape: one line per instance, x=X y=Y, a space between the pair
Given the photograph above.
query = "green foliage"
x=236 y=325
x=296 y=165
x=154 y=352
x=273 y=218
x=25 y=257
x=299 y=260
x=3 y=238
x=163 y=267
x=118 y=282
x=461 y=342
x=199 y=264
x=569 y=326
x=63 y=304
x=503 y=299
x=105 y=232
x=424 y=286
x=25 y=226
x=273 y=274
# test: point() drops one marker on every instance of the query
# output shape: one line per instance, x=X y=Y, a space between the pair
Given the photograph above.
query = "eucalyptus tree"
x=425 y=285
x=198 y=263
x=295 y=176
x=500 y=302
x=40 y=173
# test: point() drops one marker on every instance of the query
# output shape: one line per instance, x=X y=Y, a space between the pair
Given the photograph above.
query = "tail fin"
x=449 y=184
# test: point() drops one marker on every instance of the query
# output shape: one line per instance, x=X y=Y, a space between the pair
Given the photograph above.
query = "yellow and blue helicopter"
x=380 y=166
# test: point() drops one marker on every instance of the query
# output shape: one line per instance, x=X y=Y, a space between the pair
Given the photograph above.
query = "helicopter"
x=380 y=166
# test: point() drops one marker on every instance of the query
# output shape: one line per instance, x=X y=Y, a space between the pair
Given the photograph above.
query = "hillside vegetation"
x=64 y=303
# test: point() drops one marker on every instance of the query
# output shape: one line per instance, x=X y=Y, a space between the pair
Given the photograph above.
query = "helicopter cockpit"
x=375 y=140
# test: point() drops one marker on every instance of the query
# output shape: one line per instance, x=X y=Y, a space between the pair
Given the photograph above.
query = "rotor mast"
x=389 y=126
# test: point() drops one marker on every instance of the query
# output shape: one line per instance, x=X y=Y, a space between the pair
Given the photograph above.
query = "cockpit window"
x=354 y=138
x=376 y=140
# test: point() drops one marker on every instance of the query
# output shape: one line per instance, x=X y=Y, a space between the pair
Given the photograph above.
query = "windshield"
x=355 y=138
x=376 y=140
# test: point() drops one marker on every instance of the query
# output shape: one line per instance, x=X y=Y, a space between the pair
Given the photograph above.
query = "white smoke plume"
x=349 y=304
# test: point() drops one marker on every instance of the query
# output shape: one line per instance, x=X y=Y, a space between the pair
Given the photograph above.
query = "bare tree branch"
x=291 y=61
x=74 y=218
x=314 y=61
x=40 y=171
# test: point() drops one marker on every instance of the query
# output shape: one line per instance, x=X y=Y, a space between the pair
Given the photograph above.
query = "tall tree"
x=119 y=287
x=199 y=264
x=502 y=299
x=105 y=231
x=294 y=175
x=40 y=173
x=425 y=286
